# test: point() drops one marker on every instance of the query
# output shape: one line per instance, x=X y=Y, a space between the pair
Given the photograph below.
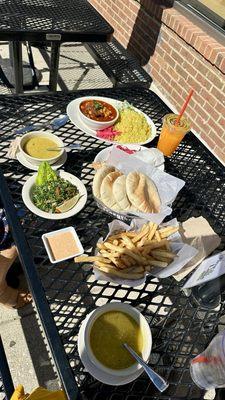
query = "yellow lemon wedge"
x=68 y=204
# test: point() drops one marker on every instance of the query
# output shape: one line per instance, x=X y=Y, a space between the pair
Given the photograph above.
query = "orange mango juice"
x=171 y=135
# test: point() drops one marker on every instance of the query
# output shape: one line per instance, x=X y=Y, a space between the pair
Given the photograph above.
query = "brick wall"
x=178 y=55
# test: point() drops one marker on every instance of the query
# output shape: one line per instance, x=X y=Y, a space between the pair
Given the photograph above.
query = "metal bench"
x=118 y=64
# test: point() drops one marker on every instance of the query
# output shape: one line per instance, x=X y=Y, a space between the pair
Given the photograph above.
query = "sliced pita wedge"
x=136 y=188
x=120 y=194
x=98 y=178
x=106 y=190
x=153 y=195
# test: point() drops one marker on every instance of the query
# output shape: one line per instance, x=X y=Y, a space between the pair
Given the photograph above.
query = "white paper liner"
x=183 y=251
x=168 y=186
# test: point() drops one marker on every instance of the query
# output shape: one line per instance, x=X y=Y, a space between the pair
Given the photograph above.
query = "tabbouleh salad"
x=50 y=191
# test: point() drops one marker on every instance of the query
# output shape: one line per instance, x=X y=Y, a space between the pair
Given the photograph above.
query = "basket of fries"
x=129 y=253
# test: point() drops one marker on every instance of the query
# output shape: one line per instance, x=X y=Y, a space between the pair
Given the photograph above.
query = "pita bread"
x=98 y=178
x=106 y=192
x=120 y=194
x=153 y=195
x=136 y=188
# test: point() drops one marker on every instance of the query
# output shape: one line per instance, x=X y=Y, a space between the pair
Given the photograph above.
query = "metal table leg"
x=17 y=65
x=55 y=51
x=5 y=373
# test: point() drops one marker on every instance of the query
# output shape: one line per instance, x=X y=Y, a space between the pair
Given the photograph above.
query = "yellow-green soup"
x=107 y=336
x=37 y=147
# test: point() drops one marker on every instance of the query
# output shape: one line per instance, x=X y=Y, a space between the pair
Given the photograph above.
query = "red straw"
x=184 y=106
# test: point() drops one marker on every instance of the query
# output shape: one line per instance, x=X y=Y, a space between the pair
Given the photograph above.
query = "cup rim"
x=183 y=117
x=134 y=313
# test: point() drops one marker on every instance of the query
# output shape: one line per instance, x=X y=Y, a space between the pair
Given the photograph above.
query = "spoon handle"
x=69 y=147
x=158 y=381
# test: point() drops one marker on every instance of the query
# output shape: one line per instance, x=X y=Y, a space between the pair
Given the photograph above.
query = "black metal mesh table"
x=180 y=329
x=52 y=21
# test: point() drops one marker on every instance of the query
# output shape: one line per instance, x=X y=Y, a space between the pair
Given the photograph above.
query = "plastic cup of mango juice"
x=171 y=135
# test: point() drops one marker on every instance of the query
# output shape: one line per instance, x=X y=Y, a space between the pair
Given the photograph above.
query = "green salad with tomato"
x=52 y=193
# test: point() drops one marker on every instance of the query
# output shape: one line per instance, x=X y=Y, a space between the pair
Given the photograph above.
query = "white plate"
x=22 y=160
x=72 y=111
x=26 y=195
x=97 y=373
x=104 y=154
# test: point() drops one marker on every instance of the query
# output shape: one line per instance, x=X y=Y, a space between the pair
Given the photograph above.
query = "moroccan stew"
x=98 y=110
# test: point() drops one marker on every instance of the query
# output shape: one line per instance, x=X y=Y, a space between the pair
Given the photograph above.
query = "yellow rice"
x=133 y=127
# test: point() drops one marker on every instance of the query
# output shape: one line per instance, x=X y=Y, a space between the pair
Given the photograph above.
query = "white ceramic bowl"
x=138 y=317
x=46 y=134
x=27 y=197
x=96 y=125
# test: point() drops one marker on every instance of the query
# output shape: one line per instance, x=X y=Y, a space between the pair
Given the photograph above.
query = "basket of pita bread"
x=126 y=187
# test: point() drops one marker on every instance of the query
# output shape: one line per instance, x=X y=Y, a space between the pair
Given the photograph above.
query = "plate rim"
x=88 y=130
x=63 y=157
x=35 y=210
x=161 y=167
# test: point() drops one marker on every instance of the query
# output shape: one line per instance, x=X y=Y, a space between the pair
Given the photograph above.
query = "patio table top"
x=33 y=19
x=65 y=293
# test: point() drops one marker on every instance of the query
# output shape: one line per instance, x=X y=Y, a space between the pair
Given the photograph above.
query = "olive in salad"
x=52 y=193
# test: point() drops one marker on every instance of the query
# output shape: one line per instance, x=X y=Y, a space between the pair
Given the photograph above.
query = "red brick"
x=192 y=115
x=194 y=84
x=211 y=111
x=178 y=99
x=190 y=33
x=205 y=94
x=186 y=54
x=217 y=81
x=166 y=86
x=168 y=14
x=208 y=140
x=220 y=58
x=217 y=140
x=188 y=67
x=214 y=53
x=176 y=56
x=181 y=71
x=200 y=66
x=222 y=66
x=218 y=129
x=200 y=111
x=222 y=121
x=196 y=36
x=220 y=108
x=218 y=94
x=134 y=7
x=201 y=43
x=204 y=82
x=169 y=59
x=220 y=153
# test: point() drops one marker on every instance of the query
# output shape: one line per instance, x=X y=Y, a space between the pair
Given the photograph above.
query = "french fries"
x=130 y=255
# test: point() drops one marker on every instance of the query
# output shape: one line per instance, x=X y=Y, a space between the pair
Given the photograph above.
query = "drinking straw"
x=184 y=106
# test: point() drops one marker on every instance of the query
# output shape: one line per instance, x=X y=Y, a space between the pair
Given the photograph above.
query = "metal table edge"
x=37 y=291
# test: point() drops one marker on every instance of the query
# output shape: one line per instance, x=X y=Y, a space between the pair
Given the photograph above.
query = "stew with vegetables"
x=98 y=110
